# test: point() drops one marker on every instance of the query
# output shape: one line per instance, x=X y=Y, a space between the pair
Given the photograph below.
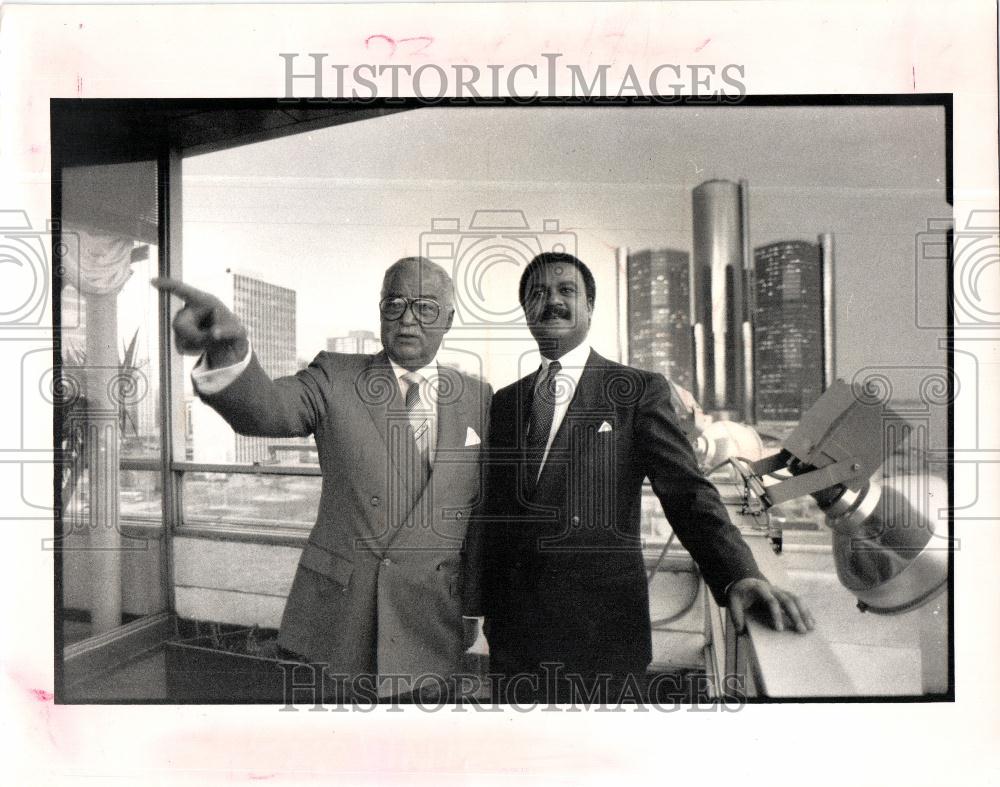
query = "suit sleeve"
x=254 y=404
x=475 y=537
x=690 y=501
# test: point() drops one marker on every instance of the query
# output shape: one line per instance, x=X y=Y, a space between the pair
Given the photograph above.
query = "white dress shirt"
x=428 y=378
x=567 y=379
x=428 y=405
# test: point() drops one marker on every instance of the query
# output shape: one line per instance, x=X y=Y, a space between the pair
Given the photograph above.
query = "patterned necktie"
x=420 y=421
x=543 y=409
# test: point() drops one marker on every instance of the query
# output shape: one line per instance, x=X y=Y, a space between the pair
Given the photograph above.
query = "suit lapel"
x=451 y=414
x=588 y=396
x=379 y=392
x=524 y=398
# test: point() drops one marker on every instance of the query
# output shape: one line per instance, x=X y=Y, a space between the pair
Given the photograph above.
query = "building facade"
x=268 y=312
x=788 y=329
x=659 y=313
x=356 y=342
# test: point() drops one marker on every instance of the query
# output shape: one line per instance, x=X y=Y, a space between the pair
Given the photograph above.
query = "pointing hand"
x=205 y=325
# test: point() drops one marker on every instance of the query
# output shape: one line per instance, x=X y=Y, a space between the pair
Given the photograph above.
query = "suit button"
x=386 y=562
x=458 y=515
x=576 y=520
x=375 y=501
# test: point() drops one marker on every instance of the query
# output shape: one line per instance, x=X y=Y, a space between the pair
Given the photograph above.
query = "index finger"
x=185 y=292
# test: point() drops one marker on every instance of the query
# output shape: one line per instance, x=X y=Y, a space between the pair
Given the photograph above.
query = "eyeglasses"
x=424 y=310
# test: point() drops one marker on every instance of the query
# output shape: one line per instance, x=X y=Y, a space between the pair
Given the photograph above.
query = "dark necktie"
x=543 y=408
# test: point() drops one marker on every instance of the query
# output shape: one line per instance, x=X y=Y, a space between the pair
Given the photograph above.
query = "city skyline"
x=337 y=206
x=787 y=309
x=746 y=333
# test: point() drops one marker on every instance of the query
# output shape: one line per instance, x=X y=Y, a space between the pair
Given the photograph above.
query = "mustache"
x=554 y=311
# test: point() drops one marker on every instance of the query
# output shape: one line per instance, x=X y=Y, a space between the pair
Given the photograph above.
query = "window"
x=109 y=404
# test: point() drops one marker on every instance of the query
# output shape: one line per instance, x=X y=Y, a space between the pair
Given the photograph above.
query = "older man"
x=377 y=597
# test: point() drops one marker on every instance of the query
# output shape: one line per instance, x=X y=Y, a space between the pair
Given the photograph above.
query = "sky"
x=325 y=212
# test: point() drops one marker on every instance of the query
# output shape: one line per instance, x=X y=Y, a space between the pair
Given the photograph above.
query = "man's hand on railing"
x=205 y=325
x=781 y=604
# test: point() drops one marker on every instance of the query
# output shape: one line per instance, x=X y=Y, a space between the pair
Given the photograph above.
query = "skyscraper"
x=659 y=313
x=720 y=306
x=789 y=336
x=268 y=312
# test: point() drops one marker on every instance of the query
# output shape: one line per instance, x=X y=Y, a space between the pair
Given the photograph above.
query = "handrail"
x=201 y=467
x=787 y=664
x=146 y=464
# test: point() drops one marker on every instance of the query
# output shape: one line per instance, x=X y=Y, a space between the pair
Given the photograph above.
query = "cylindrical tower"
x=718 y=297
x=746 y=328
x=829 y=313
x=622 y=302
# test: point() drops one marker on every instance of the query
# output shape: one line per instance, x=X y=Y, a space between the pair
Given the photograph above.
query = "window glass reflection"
x=110 y=544
x=284 y=501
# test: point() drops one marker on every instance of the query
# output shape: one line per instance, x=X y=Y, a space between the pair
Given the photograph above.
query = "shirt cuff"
x=208 y=382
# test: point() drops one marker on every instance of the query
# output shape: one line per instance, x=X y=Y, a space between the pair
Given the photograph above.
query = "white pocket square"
x=605 y=427
x=471 y=438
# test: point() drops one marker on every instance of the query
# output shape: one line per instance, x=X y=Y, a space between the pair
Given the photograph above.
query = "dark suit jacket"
x=563 y=573
x=378 y=587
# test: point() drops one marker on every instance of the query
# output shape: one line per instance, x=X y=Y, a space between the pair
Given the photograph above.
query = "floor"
x=142 y=679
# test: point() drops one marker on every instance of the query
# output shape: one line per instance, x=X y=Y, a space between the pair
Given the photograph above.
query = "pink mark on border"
x=42 y=695
x=261 y=776
x=395 y=43
x=702 y=45
x=390 y=41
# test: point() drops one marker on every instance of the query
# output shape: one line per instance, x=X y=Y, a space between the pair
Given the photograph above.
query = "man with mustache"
x=377 y=596
x=564 y=589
